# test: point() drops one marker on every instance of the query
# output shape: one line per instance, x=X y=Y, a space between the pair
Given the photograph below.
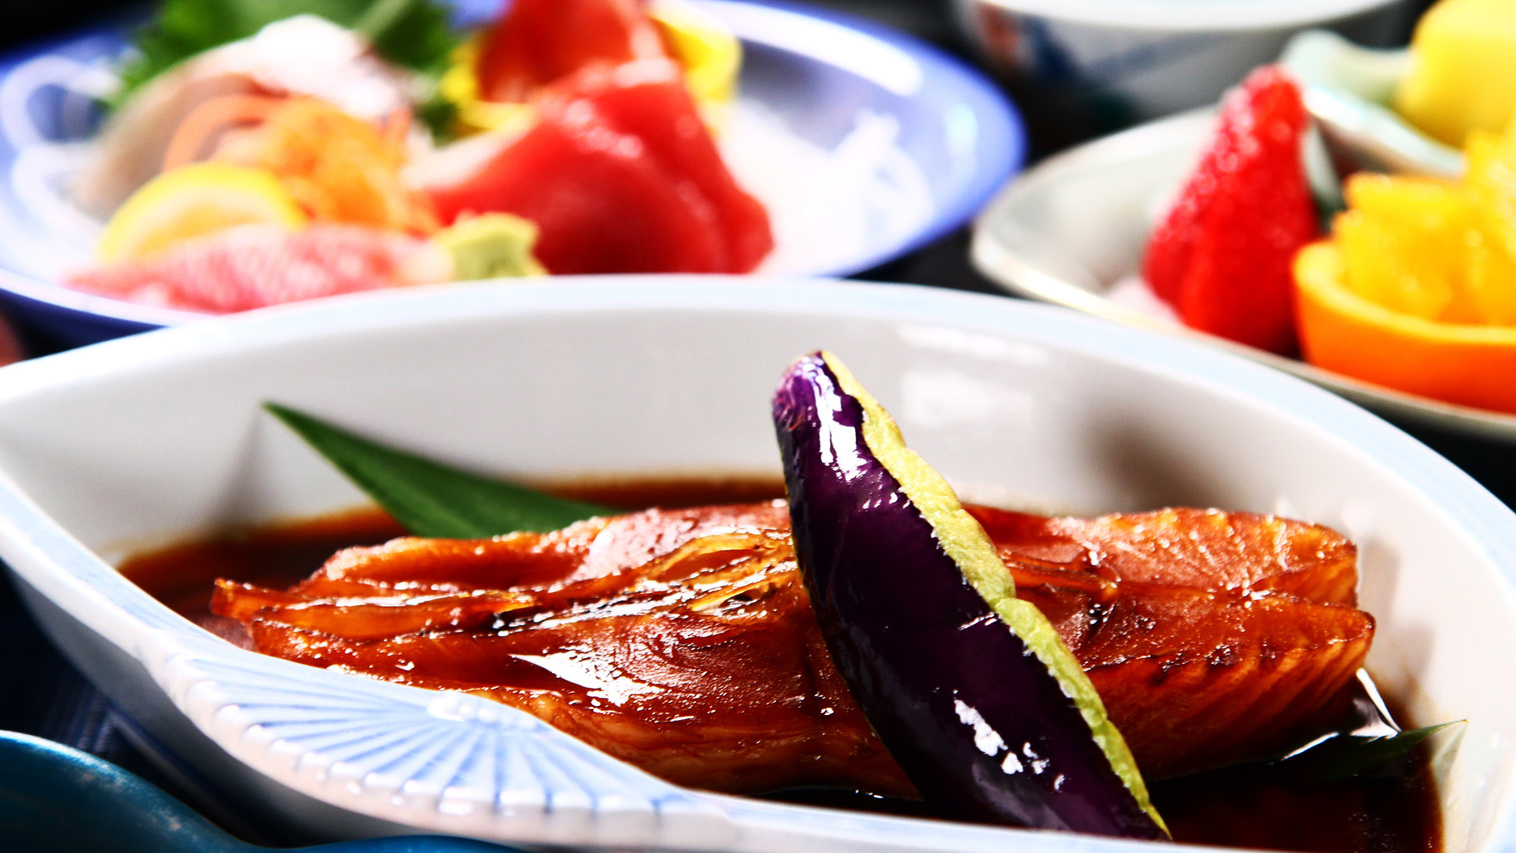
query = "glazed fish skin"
x=728 y=572
x=681 y=642
x=1182 y=546
x=1212 y=637
x=589 y=549
x=1200 y=679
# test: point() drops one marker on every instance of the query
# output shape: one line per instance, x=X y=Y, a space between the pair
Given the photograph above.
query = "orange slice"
x=1345 y=333
x=194 y=201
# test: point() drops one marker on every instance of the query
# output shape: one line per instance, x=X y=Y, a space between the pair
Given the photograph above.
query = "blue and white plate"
x=865 y=143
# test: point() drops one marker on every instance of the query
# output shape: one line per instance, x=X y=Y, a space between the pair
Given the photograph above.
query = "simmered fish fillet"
x=683 y=641
x=1211 y=636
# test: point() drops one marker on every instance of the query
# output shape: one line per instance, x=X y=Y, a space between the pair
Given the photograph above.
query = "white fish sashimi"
x=303 y=55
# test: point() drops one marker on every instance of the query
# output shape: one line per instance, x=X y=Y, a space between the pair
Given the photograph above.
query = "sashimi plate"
x=864 y=143
x=109 y=449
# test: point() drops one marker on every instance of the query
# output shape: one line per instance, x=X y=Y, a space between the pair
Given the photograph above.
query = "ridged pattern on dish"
x=436 y=760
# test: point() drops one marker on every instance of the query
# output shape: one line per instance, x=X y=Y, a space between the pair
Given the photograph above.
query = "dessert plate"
x=865 y=143
x=1071 y=231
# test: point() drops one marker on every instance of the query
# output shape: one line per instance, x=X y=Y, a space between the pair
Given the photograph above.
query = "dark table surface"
x=41 y=694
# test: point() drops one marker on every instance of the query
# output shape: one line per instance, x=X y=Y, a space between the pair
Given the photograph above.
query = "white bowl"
x=1105 y=64
x=160 y=435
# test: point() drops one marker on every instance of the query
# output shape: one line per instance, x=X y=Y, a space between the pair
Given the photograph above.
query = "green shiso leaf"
x=431 y=499
x=1344 y=756
x=411 y=33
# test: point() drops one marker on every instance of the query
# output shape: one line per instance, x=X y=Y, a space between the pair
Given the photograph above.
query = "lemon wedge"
x=194 y=201
x=460 y=87
x=710 y=53
x=1463 y=71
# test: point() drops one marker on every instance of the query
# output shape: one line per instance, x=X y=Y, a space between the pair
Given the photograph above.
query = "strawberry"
x=1222 y=254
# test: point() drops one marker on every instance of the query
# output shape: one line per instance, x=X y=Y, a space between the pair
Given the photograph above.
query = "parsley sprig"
x=414 y=34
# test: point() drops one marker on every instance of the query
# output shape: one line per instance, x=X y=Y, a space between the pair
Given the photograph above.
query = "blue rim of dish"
x=1000 y=150
x=1001 y=126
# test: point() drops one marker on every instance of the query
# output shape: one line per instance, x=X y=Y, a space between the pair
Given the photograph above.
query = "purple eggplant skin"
x=971 y=698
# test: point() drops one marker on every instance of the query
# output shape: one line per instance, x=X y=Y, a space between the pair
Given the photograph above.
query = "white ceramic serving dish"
x=1071 y=231
x=1111 y=63
x=160 y=435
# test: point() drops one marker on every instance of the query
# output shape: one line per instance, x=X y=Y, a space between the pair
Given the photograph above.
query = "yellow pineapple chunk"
x=1489 y=282
x=1402 y=240
x=1490 y=184
x=1490 y=177
x=1436 y=249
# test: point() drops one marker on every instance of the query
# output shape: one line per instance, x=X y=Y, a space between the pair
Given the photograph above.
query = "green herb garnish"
x=411 y=33
x=432 y=499
x=1344 y=756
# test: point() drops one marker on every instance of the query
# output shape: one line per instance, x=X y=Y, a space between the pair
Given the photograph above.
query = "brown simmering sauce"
x=1395 y=811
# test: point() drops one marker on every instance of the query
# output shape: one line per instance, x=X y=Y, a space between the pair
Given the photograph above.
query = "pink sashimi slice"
x=259 y=265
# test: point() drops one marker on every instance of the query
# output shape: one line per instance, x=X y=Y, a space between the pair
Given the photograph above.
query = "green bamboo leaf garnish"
x=431 y=499
x=1347 y=755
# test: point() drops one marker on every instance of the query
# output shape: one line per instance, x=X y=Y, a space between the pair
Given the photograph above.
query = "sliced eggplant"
x=970 y=688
